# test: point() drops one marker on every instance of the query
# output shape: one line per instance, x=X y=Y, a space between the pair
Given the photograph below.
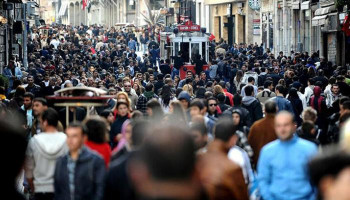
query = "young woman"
x=123 y=113
x=166 y=96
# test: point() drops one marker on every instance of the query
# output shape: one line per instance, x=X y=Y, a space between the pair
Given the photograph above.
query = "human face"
x=184 y=103
x=236 y=118
x=194 y=111
x=212 y=106
x=27 y=102
x=75 y=138
x=336 y=187
x=199 y=139
x=284 y=126
x=151 y=79
x=30 y=81
x=335 y=89
x=203 y=76
x=110 y=118
x=38 y=108
x=122 y=110
x=189 y=75
x=127 y=87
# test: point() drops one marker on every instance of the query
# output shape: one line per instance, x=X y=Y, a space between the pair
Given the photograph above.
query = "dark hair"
x=270 y=107
x=251 y=79
x=221 y=97
x=307 y=127
x=166 y=94
x=199 y=126
x=346 y=105
x=343 y=99
x=165 y=149
x=249 y=90
x=96 y=129
x=224 y=129
x=41 y=100
x=156 y=108
x=329 y=163
x=237 y=99
x=51 y=116
x=267 y=84
x=197 y=103
x=280 y=88
x=78 y=125
x=29 y=94
x=138 y=132
x=149 y=87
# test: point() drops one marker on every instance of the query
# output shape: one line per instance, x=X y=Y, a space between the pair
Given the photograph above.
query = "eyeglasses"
x=214 y=104
x=127 y=85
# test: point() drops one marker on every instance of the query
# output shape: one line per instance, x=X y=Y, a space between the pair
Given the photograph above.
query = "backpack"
x=268 y=94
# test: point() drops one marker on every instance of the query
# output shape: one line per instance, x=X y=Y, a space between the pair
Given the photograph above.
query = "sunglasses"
x=127 y=85
x=213 y=104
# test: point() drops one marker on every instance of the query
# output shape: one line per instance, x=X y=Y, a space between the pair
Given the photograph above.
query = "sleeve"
x=258 y=111
x=29 y=162
x=264 y=175
x=100 y=173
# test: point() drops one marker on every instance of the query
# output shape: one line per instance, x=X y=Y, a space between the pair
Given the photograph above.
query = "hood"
x=184 y=95
x=51 y=145
x=247 y=100
x=317 y=91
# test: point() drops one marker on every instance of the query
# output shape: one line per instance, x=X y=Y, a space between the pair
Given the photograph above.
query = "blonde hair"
x=128 y=101
x=217 y=90
x=188 y=88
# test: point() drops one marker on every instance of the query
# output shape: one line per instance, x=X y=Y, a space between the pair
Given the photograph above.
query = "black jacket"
x=118 y=183
x=88 y=177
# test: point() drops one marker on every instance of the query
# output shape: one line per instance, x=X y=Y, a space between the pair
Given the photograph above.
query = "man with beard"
x=32 y=87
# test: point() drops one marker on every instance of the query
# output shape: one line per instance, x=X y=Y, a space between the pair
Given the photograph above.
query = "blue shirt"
x=282 y=170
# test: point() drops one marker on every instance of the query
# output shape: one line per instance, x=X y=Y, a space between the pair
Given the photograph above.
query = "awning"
x=319 y=20
x=325 y=10
x=305 y=5
x=63 y=8
x=213 y=2
x=295 y=5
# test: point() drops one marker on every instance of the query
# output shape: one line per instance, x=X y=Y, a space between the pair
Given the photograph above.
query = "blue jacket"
x=282 y=170
x=8 y=74
x=89 y=176
x=283 y=104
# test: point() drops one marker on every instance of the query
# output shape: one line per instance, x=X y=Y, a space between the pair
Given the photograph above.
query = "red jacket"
x=103 y=150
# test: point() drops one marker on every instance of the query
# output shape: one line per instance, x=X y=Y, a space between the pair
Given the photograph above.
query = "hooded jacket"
x=253 y=106
x=42 y=152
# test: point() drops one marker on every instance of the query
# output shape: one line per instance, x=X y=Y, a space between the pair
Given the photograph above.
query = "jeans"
x=174 y=72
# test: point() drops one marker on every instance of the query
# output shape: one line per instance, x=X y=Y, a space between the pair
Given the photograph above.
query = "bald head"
x=284 y=125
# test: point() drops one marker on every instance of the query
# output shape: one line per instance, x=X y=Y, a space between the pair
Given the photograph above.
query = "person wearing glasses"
x=212 y=108
x=131 y=94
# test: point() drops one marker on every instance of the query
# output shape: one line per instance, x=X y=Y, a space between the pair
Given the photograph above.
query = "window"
x=157 y=4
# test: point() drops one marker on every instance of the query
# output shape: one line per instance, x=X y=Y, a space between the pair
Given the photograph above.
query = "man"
x=251 y=82
x=282 y=164
x=212 y=108
x=221 y=102
x=262 y=131
x=27 y=108
x=222 y=178
x=80 y=173
x=281 y=102
x=43 y=151
x=334 y=96
x=132 y=95
x=178 y=62
x=309 y=90
x=164 y=67
x=32 y=87
x=200 y=136
x=267 y=93
x=156 y=173
x=159 y=84
x=54 y=42
x=252 y=104
x=145 y=97
x=197 y=108
x=245 y=115
x=189 y=75
x=12 y=73
x=51 y=88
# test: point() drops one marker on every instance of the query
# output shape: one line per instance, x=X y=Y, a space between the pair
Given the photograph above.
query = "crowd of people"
x=254 y=125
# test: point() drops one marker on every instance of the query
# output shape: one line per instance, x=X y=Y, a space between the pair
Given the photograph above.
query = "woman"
x=189 y=89
x=154 y=110
x=176 y=81
x=122 y=96
x=297 y=104
x=238 y=79
x=123 y=114
x=166 y=95
x=124 y=140
x=242 y=132
x=177 y=113
x=96 y=131
x=138 y=89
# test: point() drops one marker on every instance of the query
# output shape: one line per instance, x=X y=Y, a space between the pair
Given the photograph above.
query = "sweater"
x=282 y=169
x=42 y=152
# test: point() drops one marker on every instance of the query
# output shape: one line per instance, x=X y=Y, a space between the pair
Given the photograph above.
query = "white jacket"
x=42 y=153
